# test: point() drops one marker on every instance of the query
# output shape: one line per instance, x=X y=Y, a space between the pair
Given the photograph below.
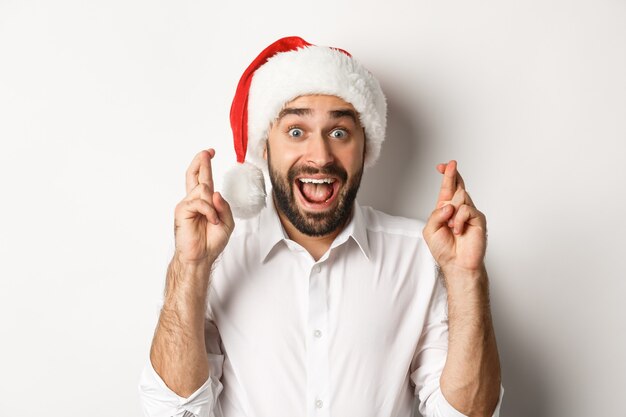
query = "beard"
x=318 y=223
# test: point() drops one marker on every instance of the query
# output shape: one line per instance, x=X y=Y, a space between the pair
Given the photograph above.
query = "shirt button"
x=319 y=403
x=317 y=269
x=317 y=333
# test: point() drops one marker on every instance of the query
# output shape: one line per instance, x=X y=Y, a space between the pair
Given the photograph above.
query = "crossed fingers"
x=453 y=193
x=199 y=185
x=200 y=171
x=452 y=189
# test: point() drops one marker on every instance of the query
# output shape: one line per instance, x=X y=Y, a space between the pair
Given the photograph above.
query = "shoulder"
x=400 y=251
x=395 y=236
x=379 y=222
x=243 y=243
x=245 y=228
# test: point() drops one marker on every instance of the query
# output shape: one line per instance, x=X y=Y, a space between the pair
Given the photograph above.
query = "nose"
x=318 y=151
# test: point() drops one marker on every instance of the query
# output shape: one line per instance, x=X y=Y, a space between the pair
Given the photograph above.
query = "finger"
x=467 y=215
x=223 y=210
x=459 y=180
x=438 y=219
x=205 y=176
x=441 y=168
x=462 y=216
x=448 y=183
x=193 y=171
x=191 y=175
x=460 y=198
x=189 y=209
x=202 y=192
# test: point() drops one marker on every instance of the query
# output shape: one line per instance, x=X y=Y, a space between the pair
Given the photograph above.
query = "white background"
x=103 y=105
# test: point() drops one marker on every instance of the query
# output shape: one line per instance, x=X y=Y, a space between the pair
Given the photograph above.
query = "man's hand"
x=456 y=234
x=203 y=221
x=203 y=224
x=456 y=231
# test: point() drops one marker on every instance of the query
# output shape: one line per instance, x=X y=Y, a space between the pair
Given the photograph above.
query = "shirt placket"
x=318 y=390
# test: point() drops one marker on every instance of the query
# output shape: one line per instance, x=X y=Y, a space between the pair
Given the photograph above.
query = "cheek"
x=352 y=159
x=288 y=153
x=281 y=157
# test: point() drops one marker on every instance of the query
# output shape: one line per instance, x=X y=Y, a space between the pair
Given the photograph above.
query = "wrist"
x=459 y=274
x=182 y=262
x=463 y=281
x=191 y=266
x=187 y=281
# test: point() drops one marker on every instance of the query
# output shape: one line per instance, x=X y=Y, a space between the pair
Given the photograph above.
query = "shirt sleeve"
x=430 y=359
x=158 y=400
x=440 y=407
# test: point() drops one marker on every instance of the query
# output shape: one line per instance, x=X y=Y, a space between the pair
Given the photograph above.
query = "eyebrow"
x=338 y=114
x=335 y=114
x=296 y=111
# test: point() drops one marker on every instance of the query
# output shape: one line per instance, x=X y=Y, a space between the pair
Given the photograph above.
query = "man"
x=318 y=306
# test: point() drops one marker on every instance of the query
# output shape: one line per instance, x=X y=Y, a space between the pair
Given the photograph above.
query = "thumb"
x=438 y=219
x=223 y=210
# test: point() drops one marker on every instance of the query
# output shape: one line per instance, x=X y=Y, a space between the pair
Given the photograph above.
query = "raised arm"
x=456 y=234
x=202 y=226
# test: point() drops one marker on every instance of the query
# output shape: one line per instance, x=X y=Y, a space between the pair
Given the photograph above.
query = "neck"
x=315 y=245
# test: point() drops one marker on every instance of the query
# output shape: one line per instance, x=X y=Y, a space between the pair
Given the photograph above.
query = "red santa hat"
x=289 y=68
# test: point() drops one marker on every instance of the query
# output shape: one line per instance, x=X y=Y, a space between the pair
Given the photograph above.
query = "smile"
x=317 y=193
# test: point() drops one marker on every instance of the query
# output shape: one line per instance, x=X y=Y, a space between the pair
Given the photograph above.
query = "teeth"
x=318 y=181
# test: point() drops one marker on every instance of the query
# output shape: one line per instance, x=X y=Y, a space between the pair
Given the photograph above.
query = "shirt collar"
x=355 y=229
x=271 y=230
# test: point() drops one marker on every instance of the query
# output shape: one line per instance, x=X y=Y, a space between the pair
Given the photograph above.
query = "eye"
x=295 y=132
x=339 y=134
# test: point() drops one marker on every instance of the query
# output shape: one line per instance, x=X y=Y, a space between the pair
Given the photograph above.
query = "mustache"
x=331 y=170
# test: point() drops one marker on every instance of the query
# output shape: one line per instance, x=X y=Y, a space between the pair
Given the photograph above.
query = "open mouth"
x=317 y=192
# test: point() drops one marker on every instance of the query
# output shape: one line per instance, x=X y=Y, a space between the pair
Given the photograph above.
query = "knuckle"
x=180 y=207
x=203 y=203
x=194 y=204
x=185 y=205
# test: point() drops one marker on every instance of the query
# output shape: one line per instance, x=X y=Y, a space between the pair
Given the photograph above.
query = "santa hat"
x=289 y=68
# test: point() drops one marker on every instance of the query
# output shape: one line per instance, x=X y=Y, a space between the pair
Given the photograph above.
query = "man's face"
x=315 y=153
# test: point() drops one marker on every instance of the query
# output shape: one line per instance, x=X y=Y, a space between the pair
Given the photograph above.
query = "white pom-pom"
x=244 y=189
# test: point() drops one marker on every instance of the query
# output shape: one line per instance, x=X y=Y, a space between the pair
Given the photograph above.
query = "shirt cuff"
x=444 y=409
x=158 y=400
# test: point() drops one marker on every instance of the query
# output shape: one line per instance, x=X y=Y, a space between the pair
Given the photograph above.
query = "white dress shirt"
x=357 y=333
